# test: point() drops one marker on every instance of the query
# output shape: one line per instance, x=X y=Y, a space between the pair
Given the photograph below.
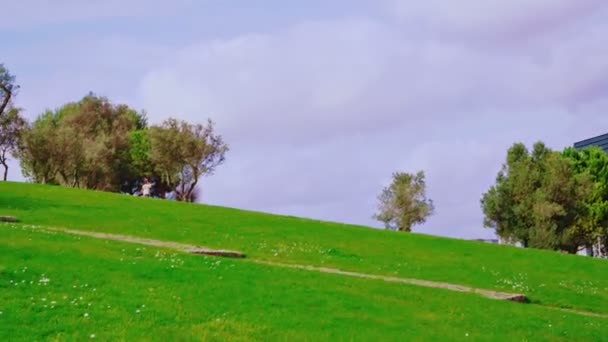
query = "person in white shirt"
x=146 y=188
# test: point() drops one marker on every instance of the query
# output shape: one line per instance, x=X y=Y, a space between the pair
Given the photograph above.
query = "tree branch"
x=7 y=98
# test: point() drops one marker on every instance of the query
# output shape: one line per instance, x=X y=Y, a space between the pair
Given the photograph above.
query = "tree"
x=82 y=144
x=403 y=203
x=139 y=150
x=37 y=149
x=95 y=144
x=8 y=88
x=592 y=162
x=12 y=126
x=559 y=208
x=538 y=200
x=182 y=153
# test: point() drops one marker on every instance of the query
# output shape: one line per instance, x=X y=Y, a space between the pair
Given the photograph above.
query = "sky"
x=321 y=101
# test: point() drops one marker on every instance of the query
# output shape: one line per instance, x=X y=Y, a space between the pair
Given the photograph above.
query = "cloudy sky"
x=322 y=100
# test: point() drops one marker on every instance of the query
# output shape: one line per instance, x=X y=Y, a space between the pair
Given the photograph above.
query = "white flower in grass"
x=92 y=335
x=137 y=311
x=86 y=314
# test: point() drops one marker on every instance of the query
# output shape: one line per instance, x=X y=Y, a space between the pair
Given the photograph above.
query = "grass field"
x=191 y=297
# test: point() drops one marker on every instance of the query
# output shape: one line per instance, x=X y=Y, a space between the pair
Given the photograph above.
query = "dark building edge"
x=600 y=141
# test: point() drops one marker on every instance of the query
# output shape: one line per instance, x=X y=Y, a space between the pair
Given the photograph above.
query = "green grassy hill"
x=113 y=290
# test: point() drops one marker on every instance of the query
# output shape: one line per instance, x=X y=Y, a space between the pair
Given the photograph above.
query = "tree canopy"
x=81 y=144
x=403 y=203
x=12 y=126
x=183 y=152
x=547 y=199
x=8 y=88
x=95 y=144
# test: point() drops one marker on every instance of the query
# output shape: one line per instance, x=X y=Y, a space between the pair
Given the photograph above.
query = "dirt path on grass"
x=187 y=248
x=150 y=242
x=236 y=254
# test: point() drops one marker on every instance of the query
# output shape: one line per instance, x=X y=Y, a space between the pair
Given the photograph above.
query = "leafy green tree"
x=12 y=126
x=140 y=149
x=403 y=203
x=182 y=153
x=592 y=162
x=83 y=144
x=538 y=200
x=8 y=88
x=36 y=151
x=95 y=144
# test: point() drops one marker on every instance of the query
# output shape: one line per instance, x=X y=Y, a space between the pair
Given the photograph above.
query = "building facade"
x=600 y=141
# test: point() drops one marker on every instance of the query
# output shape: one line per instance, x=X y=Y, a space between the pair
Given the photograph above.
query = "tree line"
x=94 y=144
x=550 y=199
x=541 y=198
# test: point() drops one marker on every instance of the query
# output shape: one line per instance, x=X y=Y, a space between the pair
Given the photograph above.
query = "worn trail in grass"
x=419 y=282
x=546 y=277
x=205 y=250
x=56 y=286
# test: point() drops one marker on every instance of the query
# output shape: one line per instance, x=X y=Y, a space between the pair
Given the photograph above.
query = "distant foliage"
x=82 y=144
x=12 y=126
x=95 y=144
x=592 y=162
x=549 y=200
x=8 y=89
x=403 y=203
x=182 y=153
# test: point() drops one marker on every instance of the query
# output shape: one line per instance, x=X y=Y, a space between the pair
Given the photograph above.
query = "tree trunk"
x=195 y=176
x=64 y=176
x=7 y=97
x=3 y=162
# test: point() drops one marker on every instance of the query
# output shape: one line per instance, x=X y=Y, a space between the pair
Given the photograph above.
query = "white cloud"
x=324 y=80
x=312 y=76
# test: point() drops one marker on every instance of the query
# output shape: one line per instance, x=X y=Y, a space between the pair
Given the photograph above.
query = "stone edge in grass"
x=8 y=219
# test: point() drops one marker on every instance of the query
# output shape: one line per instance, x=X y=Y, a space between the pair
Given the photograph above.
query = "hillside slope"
x=59 y=287
x=546 y=277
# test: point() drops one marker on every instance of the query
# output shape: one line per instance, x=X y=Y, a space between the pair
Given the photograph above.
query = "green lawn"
x=546 y=277
x=55 y=286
